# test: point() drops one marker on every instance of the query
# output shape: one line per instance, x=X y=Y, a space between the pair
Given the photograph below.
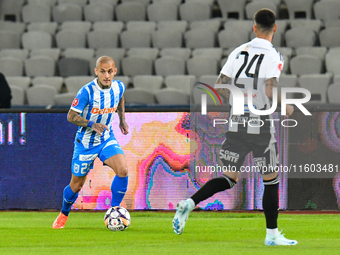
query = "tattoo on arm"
x=121 y=109
x=76 y=119
x=223 y=79
x=270 y=84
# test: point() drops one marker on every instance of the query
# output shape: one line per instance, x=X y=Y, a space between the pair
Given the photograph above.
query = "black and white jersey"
x=249 y=66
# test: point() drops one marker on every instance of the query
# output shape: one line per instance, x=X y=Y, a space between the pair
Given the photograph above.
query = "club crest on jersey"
x=75 y=102
x=103 y=111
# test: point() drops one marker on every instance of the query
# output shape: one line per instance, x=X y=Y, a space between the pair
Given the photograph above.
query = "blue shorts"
x=83 y=158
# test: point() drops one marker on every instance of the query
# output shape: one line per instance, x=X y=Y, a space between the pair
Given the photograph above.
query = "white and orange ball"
x=117 y=218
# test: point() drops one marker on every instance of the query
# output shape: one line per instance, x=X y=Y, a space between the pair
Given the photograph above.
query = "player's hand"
x=124 y=127
x=99 y=128
x=289 y=110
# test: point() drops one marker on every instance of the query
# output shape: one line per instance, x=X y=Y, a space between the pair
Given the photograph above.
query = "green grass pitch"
x=151 y=233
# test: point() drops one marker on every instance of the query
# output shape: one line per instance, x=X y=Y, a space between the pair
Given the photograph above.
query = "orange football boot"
x=60 y=221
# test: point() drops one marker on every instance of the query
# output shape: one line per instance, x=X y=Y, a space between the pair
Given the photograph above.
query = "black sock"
x=211 y=187
x=270 y=202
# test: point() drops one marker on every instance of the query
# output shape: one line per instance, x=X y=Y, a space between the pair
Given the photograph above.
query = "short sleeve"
x=275 y=67
x=227 y=69
x=121 y=88
x=80 y=101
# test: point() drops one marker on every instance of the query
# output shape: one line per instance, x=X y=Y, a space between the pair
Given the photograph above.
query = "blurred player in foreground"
x=257 y=65
x=93 y=111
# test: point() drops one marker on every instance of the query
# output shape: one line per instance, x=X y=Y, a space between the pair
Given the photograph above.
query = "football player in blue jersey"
x=93 y=111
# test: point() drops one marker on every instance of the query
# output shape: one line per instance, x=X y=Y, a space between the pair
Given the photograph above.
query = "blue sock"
x=69 y=198
x=118 y=189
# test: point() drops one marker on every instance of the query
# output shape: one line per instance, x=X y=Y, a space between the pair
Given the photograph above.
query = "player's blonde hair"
x=103 y=60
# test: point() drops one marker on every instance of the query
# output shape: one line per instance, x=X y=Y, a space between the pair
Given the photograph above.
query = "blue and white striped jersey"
x=97 y=105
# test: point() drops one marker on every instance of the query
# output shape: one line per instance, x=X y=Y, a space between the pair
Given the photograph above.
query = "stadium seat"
x=303 y=64
x=71 y=39
x=333 y=92
x=9 y=40
x=73 y=67
x=82 y=53
x=253 y=7
x=199 y=66
x=177 y=2
x=36 y=40
x=171 y=96
x=183 y=53
x=148 y=82
x=81 y=3
x=200 y=38
x=18 y=95
x=11 y=10
x=40 y=66
x=319 y=52
x=232 y=8
x=16 y=27
x=41 y=95
x=130 y=11
x=102 y=39
x=313 y=24
x=10 y=66
x=332 y=23
x=144 y=26
x=333 y=61
x=144 y=2
x=49 y=3
x=167 y=38
x=211 y=24
x=240 y=25
x=64 y=99
x=111 y=2
x=289 y=81
x=67 y=12
x=231 y=38
x=300 y=36
x=184 y=83
x=81 y=26
x=20 y=81
x=75 y=83
x=139 y=96
x=281 y=26
x=208 y=79
x=113 y=26
x=176 y=25
x=135 y=39
x=151 y=53
x=55 y=81
x=53 y=52
x=327 y=10
x=36 y=13
x=299 y=9
x=193 y=11
x=317 y=85
x=20 y=54
x=162 y=11
x=132 y=66
x=49 y=27
x=125 y=79
x=209 y=2
x=329 y=37
x=98 y=12
x=165 y=66
x=215 y=53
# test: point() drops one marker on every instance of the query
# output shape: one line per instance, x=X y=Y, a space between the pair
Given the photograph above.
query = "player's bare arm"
x=76 y=119
x=121 y=113
x=270 y=84
x=223 y=79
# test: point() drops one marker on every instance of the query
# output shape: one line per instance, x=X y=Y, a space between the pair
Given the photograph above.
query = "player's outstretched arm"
x=223 y=79
x=76 y=119
x=121 y=113
x=270 y=83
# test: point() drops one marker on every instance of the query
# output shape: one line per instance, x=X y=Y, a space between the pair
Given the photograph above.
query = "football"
x=117 y=218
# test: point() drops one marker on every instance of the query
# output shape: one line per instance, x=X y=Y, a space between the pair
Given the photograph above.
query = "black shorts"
x=237 y=145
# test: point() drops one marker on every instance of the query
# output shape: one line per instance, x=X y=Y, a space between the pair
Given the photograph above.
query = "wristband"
x=90 y=124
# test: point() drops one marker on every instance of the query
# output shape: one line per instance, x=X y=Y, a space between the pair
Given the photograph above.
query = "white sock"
x=191 y=204
x=272 y=231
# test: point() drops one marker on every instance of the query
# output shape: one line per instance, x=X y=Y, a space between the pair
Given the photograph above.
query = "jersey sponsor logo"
x=229 y=156
x=103 y=111
x=75 y=102
x=88 y=157
x=259 y=161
